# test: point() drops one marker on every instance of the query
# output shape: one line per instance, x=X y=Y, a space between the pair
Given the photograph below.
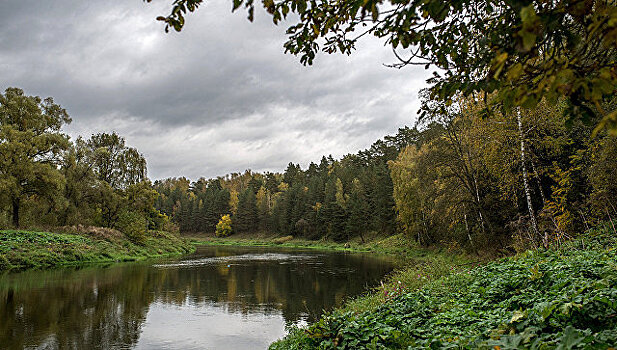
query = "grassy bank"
x=391 y=245
x=560 y=298
x=21 y=249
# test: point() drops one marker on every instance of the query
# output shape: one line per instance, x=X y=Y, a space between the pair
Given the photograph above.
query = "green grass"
x=393 y=245
x=414 y=274
x=547 y=299
x=271 y=242
x=20 y=249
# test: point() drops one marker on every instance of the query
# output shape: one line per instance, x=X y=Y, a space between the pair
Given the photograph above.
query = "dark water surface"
x=217 y=298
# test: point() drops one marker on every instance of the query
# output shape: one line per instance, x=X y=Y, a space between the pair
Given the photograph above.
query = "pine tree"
x=357 y=208
x=382 y=200
x=246 y=218
x=333 y=214
x=263 y=209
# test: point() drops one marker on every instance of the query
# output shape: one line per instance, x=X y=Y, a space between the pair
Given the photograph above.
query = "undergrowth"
x=562 y=298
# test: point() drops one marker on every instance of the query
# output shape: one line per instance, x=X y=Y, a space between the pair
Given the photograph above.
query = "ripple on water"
x=235 y=259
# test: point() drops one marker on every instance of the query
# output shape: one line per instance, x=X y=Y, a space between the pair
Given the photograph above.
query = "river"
x=217 y=298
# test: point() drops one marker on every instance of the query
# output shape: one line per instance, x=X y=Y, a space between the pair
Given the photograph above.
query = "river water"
x=217 y=298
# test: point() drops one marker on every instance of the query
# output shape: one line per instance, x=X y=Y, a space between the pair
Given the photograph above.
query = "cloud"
x=220 y=96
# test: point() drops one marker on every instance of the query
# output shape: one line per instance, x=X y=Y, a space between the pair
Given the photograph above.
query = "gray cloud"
x=221 y=96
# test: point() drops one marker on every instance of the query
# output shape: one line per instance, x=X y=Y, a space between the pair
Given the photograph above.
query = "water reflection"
x=220 y=297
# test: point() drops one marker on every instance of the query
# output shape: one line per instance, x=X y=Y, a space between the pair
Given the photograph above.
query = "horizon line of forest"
x=525 y=178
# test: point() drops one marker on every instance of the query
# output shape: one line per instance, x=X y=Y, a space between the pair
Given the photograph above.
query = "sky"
x=221 y=96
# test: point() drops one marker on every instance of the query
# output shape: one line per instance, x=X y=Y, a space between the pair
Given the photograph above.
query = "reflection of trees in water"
x=93 y=308
x=300 y=289
x=103 y=307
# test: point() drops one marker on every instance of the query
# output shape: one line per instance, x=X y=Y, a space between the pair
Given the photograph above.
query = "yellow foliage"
x=283 y=187
x=233 y=201
x=223 y=228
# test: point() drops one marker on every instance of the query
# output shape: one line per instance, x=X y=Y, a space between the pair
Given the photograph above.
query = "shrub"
x=223 y=228
x=133 y=225
x=157 y=220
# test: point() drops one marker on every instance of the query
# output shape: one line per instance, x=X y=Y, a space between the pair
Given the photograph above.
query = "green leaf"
x=569 y=339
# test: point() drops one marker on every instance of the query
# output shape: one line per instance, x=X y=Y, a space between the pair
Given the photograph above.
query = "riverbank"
x=558 y=298
x=21 y=249
x=390 y=245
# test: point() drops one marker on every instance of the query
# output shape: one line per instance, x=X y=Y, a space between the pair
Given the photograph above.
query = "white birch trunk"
x=532 y=216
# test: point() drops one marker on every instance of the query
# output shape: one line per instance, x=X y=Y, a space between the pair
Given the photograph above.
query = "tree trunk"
x=16 y=212
x=535 y=171
x=610 y=219
x=584 y=220
x=612 y=206
x=478 y=204
x=473 y=246
x=532 y=216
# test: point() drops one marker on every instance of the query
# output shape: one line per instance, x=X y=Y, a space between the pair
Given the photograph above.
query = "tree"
x=114 y=162
x=246 y=218
x=293 y=175
x=254 y=184
x=140 y=199
x=357 y=222
x=413 y=193
x=532 y=214
x=30 y=147
x=223 y=228
x=109 y=204
x=263 y=208
x=443 y=190
x=80 y=181
x=333 y=213
x=521 y=151
x=523 y=50
x=603 y=177
x=382 y=201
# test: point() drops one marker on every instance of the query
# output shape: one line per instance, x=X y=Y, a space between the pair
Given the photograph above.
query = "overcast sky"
x=219 y=97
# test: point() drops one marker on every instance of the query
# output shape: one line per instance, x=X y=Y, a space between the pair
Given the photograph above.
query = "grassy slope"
x=27 y=249
x=392 y=245
x=559 y=298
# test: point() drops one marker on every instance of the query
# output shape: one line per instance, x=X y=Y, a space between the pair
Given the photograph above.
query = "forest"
x=528 y=178
x=512 y=181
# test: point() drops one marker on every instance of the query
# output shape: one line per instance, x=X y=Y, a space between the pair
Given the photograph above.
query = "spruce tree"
x=246 y=218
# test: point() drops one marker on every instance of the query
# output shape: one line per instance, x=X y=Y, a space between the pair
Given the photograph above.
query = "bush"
x=133 y=225
x=157 y=220
x=223 y=228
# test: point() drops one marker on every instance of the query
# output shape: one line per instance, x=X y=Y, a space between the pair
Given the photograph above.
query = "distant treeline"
x=463 y=176
x=335 y=199
x=460 y=177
